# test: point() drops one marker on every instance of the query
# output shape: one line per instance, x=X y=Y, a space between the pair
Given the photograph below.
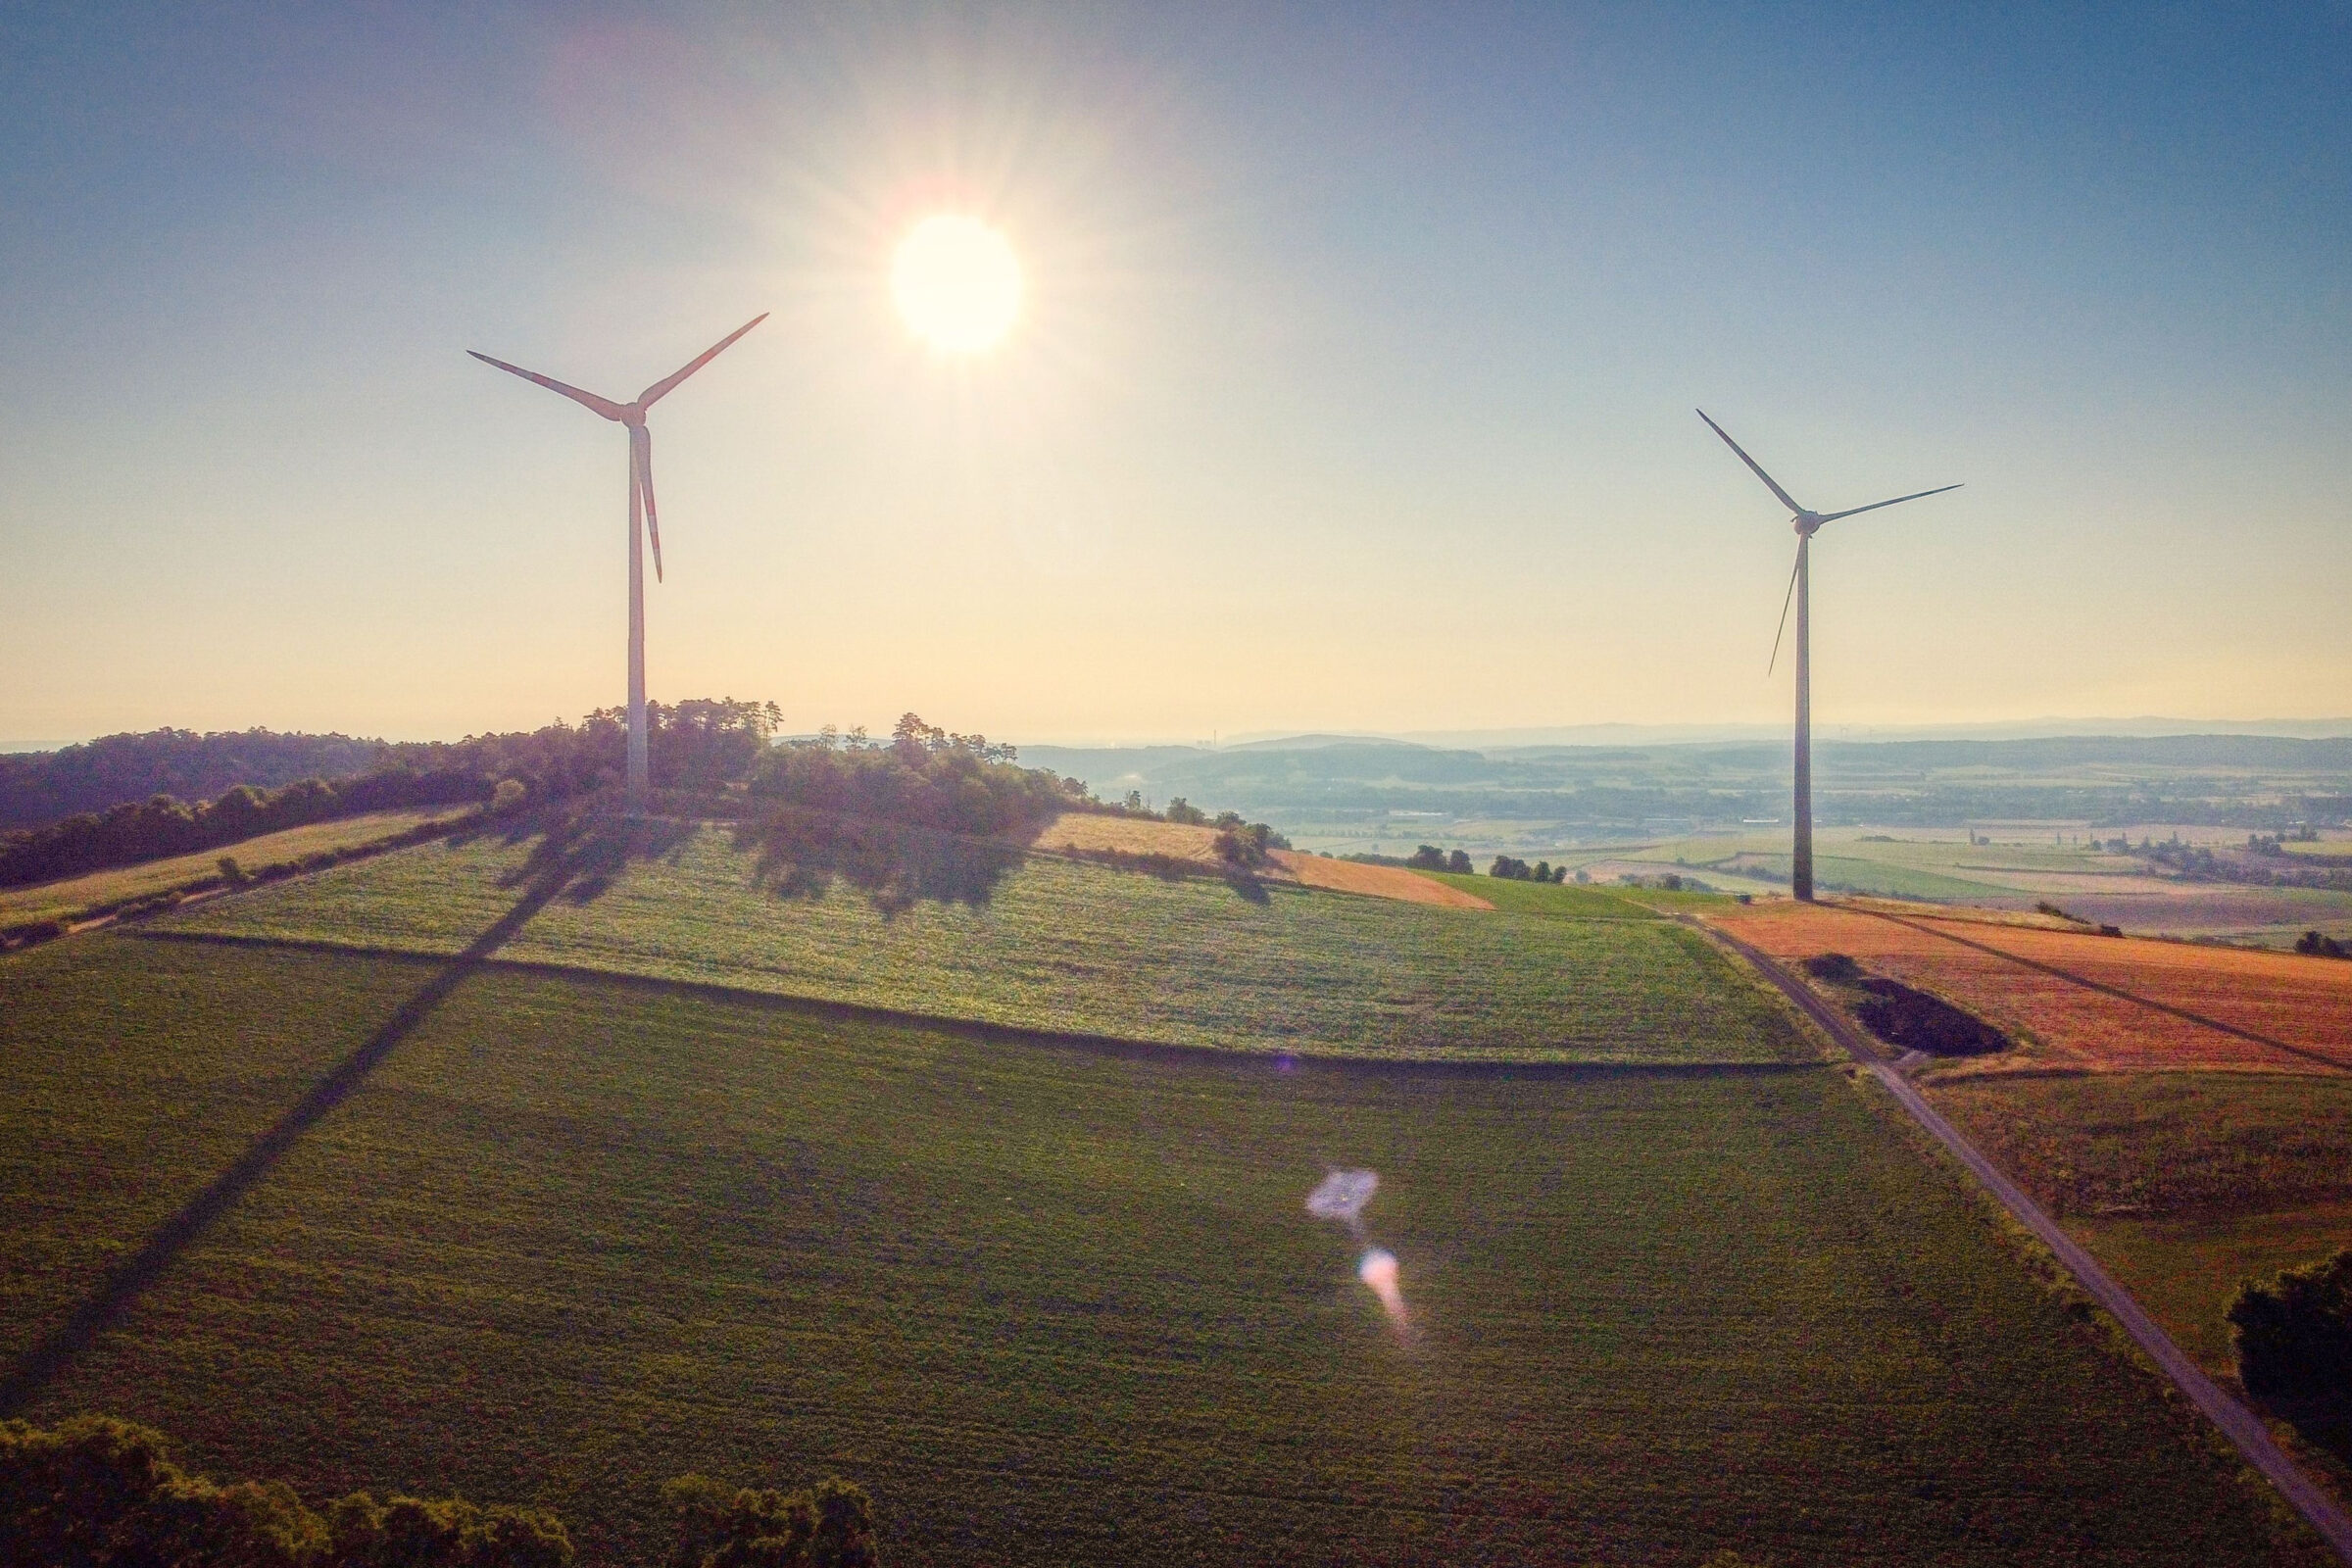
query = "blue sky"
x=1354 y=388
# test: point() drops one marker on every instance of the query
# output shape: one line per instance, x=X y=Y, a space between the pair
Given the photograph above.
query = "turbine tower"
x=1807 y=524
x=642 y=519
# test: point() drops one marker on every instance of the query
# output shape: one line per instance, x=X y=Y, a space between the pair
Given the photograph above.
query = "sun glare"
x=957 y=283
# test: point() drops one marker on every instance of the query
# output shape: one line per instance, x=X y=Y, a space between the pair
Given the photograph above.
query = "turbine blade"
x=1770 y=483
x=662 y=388
x=1897 y=502
x=589 y=400
x=640 y=453
x=1787 y=600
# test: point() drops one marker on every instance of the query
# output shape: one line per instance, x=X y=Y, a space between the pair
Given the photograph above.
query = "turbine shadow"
x=585 y=853
x=2302 y=1052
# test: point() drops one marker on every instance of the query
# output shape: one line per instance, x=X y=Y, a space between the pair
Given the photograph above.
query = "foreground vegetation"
x=573 y=1235
x=1044 y=943
x=106 y=1493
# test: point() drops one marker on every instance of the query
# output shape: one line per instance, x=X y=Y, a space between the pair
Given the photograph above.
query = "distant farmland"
x=574 y=1235
x=2087 y=1001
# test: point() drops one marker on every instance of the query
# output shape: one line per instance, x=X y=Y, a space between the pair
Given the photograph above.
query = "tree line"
x=699 y=744
x=102 y=1492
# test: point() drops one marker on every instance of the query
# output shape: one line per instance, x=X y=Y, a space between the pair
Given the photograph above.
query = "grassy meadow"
x=1058 y=946
x=70 y=897
x=575 y=1234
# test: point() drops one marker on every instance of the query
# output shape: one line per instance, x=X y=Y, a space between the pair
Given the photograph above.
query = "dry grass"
x=1376 y=881
x=1093 y=833
x=2087 y=1002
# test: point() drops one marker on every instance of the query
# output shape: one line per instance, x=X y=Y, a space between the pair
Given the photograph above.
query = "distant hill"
x=1324 y=783
x=40 y=787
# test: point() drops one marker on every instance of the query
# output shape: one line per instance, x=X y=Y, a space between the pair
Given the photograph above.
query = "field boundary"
x=2238 y=1424
x=983 y=1030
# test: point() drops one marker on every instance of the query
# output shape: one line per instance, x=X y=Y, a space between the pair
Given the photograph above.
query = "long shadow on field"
x=2304 y=1053
x=577 y=857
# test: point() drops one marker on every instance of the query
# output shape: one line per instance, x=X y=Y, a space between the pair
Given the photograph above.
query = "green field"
x=572 y=1235
x=1067 y=947
x=67 y=899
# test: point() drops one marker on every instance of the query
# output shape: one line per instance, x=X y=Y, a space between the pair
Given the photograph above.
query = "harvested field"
x=1376 y=881
x=1093 y=833
x=2100 y=1004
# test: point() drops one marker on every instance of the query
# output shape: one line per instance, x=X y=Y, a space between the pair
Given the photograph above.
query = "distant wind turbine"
x=641 y=504
x=1807 y=524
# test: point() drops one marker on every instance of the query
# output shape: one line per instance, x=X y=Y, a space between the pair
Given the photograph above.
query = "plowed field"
x=2084 y=1001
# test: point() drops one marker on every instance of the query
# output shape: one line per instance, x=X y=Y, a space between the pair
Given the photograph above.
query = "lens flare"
x=1379 y=1271
x=1342 y=1196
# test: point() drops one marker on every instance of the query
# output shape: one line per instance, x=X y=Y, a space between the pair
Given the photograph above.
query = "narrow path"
x=2237 y=1423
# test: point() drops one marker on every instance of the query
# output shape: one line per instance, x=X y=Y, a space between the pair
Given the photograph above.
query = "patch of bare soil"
x=1375 y=881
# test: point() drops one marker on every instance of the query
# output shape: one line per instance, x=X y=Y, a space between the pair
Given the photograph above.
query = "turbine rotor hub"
x=1806 y=523
x=633 y=416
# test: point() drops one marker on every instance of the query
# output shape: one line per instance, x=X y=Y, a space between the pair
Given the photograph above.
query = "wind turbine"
x=1807 y=524
x=641 y=503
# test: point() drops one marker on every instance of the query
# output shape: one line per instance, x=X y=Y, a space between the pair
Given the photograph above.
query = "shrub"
x=1832 y=966
x=1183 y=810
x=2319 y=945
x=1459 y=862
x=1427 y=858
x=97 y=1491
x=230 y=871
x=829 y=1526
x=2294 y=1332
x=509 y=795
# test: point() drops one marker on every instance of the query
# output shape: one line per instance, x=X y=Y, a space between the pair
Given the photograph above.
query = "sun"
x=956 y=282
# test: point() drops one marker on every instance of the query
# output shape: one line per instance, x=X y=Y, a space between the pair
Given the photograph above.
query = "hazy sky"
x=1353 y=389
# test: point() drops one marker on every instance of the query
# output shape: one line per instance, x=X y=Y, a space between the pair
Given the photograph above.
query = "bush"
x=101 y=1491
x=2294 y=1332
x=1427 y=858
x=1459 y=862
x=1183 y=810
x=230 y=871
x=830 y=1526
x=2320 y=946
x=509 y=795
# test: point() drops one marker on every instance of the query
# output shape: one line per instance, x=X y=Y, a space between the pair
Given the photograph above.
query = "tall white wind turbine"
x=1807 y=524
x=641 y=505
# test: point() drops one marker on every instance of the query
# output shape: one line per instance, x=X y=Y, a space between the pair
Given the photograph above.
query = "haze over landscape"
x=1176 y=902
x=1358 y=348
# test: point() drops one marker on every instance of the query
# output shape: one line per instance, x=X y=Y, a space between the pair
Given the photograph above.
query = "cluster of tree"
x=830 y=1524
x=99 y=1492
x=2293 y=1333
x=37 y=787
x=2319 y=945
x=922 y=776
x=1429 y=857
x=1513 y=870
x=2276 y=842
x=103 y=1492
